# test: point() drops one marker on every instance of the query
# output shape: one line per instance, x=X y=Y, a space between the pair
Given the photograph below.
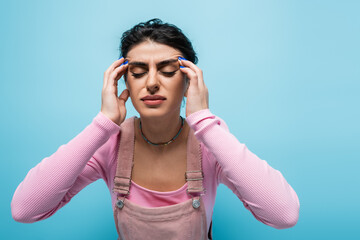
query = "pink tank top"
x=149 y=198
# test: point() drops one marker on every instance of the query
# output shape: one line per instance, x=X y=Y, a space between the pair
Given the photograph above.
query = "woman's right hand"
x=112 y=105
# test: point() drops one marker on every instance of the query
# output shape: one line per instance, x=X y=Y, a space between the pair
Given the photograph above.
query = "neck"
x=161 y=129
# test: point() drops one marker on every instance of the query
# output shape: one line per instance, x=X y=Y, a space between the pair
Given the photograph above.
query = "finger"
x=122 y=100
x=196 y=69
x=111 y=68
x=116 y=64
x=124 y=96
x=116 y=75
x=191 y=75
x=191 y=65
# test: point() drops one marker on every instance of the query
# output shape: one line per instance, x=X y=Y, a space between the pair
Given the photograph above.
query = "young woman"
x=162 y=169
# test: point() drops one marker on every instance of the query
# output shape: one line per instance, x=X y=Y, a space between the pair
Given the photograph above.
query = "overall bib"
x=181 y=221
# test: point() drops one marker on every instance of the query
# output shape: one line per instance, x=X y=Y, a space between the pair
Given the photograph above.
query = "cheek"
x=131 y=87
x=180 y=90
x=177 y=86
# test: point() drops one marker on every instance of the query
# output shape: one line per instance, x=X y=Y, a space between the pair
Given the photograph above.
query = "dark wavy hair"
x=157 y=31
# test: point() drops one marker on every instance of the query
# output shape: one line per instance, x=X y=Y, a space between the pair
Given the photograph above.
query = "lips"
x=153 y=97
x=153 y=100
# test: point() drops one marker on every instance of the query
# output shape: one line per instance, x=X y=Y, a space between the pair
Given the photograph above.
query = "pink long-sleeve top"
x=92 y=155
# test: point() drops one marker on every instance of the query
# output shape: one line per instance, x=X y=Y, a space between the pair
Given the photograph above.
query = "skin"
x=160 y=123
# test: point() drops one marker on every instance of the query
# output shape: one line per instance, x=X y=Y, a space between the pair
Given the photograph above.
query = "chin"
x=151 y=112
x=155 y=112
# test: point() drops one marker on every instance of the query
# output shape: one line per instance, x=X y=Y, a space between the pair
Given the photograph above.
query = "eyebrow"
x=160 y=64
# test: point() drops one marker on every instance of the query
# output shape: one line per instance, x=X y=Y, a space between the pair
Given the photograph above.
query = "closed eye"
x=169 y=74
x=138 y=75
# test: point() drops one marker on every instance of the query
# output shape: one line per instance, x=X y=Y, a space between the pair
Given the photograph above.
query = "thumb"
x=124 y=96
x=122 y=100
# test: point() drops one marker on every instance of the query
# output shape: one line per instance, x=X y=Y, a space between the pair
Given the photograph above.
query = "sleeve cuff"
x=106 y=123
x=196 y=117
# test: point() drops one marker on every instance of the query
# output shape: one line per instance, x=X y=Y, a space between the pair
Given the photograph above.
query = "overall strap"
x=122 y=179
x=194 y=174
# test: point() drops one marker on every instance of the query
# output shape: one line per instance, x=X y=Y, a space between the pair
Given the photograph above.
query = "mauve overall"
x=185 y=221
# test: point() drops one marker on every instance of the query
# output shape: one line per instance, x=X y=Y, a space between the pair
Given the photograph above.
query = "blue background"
x=284 y=75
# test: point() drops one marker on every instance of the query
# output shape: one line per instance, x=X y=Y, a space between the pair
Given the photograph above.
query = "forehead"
x=152 y=52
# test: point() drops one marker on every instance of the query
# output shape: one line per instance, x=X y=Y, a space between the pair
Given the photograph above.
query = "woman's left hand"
x=197 y=93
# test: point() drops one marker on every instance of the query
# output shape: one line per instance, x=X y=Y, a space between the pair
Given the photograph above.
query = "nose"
x=152 y=82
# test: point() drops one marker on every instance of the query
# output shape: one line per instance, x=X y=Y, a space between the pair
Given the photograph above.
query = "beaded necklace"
x=166 y=143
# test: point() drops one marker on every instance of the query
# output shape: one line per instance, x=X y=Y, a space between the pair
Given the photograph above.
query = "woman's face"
x=154 y=71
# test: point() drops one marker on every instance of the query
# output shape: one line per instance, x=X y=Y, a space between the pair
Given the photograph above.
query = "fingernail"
x=120 y=58
x=182 y=67
x=124 y=63
x=181 y=58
